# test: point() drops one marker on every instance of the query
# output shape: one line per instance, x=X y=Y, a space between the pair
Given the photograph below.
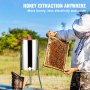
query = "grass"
x=48 y=82
x=51 y=79
x=11 y=62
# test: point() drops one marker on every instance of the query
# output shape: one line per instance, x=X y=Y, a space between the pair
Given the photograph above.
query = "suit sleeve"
x=66 y=35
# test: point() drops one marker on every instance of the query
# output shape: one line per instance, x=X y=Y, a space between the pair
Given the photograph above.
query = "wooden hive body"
x=56 y=53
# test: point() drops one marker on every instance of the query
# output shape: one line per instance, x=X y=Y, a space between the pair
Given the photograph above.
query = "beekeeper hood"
x=83 y=24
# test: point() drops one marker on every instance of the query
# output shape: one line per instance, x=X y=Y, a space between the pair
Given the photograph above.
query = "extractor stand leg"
x=39 y=79
x=30 y=77
x=30 y=74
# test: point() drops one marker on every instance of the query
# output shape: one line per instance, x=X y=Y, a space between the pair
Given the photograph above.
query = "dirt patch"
x=48 y=82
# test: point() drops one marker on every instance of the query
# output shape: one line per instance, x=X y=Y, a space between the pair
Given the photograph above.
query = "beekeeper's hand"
x=71 y=70
x=51 y=34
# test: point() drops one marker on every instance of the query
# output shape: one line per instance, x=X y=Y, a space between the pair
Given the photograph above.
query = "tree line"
x=12 y=40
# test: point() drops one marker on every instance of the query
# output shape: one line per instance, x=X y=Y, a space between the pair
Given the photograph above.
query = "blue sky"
x=13 y=15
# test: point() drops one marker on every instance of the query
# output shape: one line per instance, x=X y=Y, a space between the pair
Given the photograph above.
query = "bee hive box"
x=56 y=53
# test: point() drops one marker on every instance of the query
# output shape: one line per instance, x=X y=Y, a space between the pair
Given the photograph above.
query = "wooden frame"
x=56 y=53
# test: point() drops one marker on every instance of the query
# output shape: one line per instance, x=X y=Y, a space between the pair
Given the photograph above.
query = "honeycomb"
x=56 y=53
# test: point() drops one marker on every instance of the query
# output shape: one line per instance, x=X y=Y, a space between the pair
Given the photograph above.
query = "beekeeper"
x=80 y=64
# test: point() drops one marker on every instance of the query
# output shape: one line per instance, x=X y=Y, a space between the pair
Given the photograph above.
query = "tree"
x=82 y=13
x=63 y=24
x=13 y=39
x=23 y=33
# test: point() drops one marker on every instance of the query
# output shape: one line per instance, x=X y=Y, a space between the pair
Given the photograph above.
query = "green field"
x=51 y=79
x=10 y=61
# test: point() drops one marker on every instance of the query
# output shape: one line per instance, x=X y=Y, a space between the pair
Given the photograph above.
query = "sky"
x=14 y=15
